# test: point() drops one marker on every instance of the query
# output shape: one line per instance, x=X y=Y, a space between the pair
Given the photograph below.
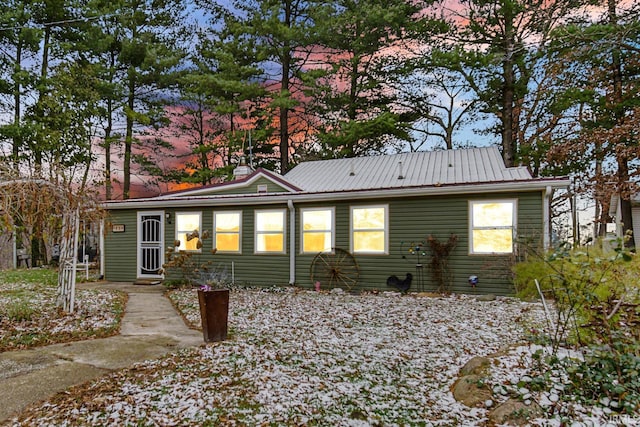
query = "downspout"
x=546 y=221
x=292 y=242
x=101 y=249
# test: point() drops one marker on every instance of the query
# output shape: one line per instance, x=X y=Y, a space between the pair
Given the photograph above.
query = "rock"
x=515 y=413
x=486 y=298
x=475 y=366
x=428 y=294
x=337 y=291
x=470 y=391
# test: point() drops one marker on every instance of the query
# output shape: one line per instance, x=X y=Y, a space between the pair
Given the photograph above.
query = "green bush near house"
x=597 y=288
x=595 y=295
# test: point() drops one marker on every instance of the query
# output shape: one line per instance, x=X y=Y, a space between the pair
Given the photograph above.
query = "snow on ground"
x=97 y=313
x=306 y=358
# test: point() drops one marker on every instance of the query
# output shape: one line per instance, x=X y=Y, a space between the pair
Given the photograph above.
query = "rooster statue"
x=399 y=284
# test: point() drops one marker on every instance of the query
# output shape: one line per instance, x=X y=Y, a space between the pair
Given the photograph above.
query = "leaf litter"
x=308 y=358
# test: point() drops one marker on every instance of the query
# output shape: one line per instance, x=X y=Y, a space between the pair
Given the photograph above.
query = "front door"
x=150 y=244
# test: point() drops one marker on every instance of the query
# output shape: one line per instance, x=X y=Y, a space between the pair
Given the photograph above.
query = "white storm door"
x=150 y=243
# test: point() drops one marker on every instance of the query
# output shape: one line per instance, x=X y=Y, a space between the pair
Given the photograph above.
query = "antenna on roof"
x=400 y=176
x=250 y=151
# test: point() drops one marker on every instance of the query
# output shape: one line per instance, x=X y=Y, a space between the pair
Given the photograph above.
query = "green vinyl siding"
x=410 y=220
x=120 y=248
x=256 y=269
x=249 y=268
x=413 y=220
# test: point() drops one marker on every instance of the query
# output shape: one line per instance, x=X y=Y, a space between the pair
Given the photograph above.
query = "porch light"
x=167 y=217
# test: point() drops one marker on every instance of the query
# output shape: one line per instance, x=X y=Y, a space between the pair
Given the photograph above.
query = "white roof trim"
x=229 y=186
x=277 y=198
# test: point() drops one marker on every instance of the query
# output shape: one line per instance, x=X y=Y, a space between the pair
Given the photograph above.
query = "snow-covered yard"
x=317 y=359
x=306 y=358
x=30 y=317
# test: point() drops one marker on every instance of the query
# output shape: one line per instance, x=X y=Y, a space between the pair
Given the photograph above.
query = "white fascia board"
x=226 y=186
x=282 y=198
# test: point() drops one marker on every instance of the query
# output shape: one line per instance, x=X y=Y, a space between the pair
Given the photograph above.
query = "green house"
x=347 y=223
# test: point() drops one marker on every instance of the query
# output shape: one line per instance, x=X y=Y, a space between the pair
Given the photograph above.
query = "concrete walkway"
x=150 y=328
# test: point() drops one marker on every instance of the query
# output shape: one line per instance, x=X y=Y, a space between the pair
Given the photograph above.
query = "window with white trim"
x=270 y=235
x=317 y=229
x=227 y=231
x=188 y=227
x=492 y=225
x=369 y=229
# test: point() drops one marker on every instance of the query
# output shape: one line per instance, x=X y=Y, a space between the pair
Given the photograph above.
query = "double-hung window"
x=270 y=235
x=369 y=229
x=188 y=228
x=317 y=229
x=227 y=231
x=492 y=225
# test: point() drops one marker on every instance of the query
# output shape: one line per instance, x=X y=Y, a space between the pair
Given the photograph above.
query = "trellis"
x=68 y=260
x=35 y=199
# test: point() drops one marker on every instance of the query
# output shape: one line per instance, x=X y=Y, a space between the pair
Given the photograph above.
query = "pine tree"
x=495 y=47
x=356 y=102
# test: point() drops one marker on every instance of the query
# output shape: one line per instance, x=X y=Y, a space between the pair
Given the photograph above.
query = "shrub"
x=597 y=307
x=440 y=253
x=596 y=293
x=190 y=268
x=525 y=274
x=605 y=377
x=19 y=311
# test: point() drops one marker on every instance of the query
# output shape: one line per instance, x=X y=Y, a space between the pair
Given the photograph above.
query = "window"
x=226 y=231
x=369 y=229
x=492 y=226
x=186 y=224
x=317 y=230
x=270 y=231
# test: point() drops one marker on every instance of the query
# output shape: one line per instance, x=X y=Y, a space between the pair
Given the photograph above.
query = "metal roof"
x=464 y=171
x=425 y=168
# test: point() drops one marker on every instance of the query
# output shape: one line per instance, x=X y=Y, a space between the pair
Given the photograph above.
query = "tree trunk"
x=128 y=139
x=107 y=135
x=284 y=89
x=204 y=156
x=621 y=158
x=17 y=99
x=449 y=128
x=352 y=112
x=107 y=151
x=44 y=72
x=508 y=92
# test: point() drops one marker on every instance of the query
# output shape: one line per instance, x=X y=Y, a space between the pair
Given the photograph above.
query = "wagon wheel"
x=336 y=269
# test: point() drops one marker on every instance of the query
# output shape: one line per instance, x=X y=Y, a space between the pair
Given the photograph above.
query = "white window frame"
x=512 y=227
x=332 y=230
x=215 y=232
x=256 y=232
x=385 y=230
x=177 y=231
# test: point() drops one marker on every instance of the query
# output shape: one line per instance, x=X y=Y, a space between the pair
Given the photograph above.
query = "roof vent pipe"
x=400 y=176
x=351 y=170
